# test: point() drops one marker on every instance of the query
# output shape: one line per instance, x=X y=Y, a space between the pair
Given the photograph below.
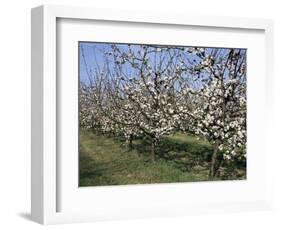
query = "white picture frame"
x=46 y=182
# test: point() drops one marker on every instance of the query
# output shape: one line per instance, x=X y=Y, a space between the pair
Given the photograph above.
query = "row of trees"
x=151 y=90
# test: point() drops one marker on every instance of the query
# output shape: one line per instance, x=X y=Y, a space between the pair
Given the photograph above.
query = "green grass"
x=105 y=160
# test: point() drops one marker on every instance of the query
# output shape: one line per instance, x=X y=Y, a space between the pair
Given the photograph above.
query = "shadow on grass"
x=187 y=154
x=92 y=172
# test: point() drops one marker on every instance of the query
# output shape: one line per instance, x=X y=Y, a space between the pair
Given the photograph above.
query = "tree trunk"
x=213 y=161
x=131 y=142
x=153 y=149
x=127 y=144
x=220 y=160
x=93 y=128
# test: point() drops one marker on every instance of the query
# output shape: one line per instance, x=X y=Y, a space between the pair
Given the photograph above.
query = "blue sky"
x=94 y=56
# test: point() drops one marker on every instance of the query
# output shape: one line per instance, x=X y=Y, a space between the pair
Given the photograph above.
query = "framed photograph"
x=143 y=114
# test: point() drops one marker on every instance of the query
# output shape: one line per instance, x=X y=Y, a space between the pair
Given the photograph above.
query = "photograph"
x=153 y=113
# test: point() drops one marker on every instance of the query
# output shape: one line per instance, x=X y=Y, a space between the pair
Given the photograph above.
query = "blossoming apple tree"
x=149 y=90
x=219 y=105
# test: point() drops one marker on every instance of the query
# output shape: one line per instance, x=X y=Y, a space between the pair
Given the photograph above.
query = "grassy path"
x=105 y=161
